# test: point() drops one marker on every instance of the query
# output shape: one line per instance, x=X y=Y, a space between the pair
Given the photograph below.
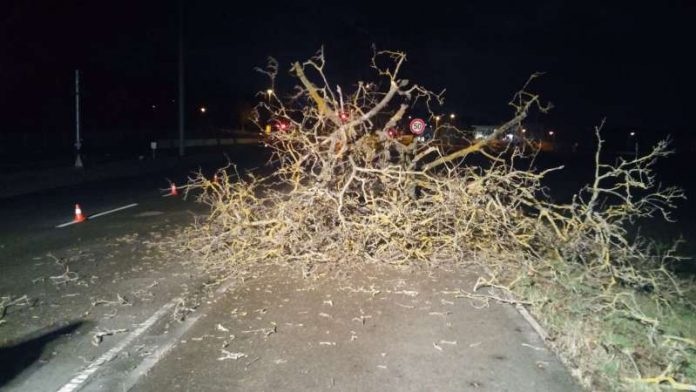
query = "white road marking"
x=98 y=215
x=76 y=382
x=151 y=360
x=112 y=211
x=66 y=224
x=147 y=214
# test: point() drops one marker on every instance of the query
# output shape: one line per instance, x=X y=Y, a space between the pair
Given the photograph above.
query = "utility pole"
x=78 y=144
x=181 y=78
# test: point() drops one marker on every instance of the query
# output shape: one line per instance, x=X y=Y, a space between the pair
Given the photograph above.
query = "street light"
x=437 y=127
x=203 y=109
x=552 y=140
x=452 y=116
x=632 y=139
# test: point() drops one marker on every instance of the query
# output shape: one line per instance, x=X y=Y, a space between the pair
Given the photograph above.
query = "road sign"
x=417 y=126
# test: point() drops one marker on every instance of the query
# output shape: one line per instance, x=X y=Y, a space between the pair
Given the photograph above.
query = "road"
x=109 y=308
x=106 y=257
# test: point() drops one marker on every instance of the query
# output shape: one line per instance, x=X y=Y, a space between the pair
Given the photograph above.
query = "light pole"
x=437 y=127
x=553 y=139
x=632 y=138
x=78 y=144
x=182 y=108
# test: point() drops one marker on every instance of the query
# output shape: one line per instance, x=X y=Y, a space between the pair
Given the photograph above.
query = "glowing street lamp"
x=632 y=138
x=203 y=109
x=551 y=133
x=524 y=130
x=452 y=116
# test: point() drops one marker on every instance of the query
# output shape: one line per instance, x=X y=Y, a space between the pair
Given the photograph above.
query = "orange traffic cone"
x=173 y=191
x=78 y=214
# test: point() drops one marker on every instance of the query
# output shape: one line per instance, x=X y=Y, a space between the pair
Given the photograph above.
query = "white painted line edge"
x=80 y=378
x=151 y=360
x=97 y=215
x=112 y=211
x=66 y=224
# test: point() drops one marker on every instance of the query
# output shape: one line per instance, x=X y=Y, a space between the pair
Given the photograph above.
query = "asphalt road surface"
x=103 y=306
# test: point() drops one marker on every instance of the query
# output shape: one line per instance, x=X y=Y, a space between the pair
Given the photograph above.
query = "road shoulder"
x=370 y=328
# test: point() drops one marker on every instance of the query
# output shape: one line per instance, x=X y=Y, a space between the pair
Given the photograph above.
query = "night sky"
x=630 y=62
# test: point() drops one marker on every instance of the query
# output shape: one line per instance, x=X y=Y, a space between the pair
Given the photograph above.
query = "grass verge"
x=615 y=338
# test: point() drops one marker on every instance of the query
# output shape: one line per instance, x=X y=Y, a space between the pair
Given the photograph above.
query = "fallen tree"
x=346 y=188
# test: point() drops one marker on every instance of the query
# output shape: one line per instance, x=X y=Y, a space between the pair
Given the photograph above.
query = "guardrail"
x=210 y=142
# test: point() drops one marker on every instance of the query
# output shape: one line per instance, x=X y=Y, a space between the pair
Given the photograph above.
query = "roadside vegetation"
x=348 y=187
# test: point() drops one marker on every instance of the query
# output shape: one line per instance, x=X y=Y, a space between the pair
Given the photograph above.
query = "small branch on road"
x=98 y=337
x=7 y=302
x=65 y=278
x=119 y=301
x=231 y=355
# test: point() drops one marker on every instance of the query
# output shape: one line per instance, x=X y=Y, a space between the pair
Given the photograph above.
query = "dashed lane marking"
x=76 y=382
x=98 y=215
x=80 y=378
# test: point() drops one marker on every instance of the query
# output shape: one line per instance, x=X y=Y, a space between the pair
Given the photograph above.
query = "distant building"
x=482 y=131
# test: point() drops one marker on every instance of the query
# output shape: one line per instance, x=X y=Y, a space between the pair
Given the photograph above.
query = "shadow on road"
x=14 y=359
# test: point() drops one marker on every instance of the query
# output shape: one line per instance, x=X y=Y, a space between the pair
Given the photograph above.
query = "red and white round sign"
x=417 y=126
